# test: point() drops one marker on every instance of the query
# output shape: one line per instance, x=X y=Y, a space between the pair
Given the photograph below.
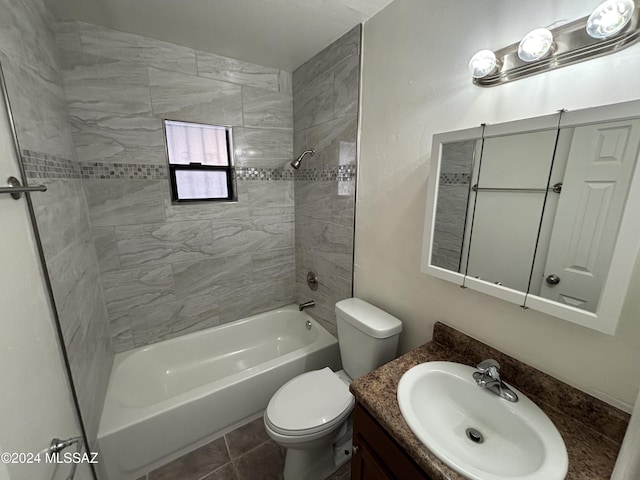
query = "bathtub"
x=169 y=398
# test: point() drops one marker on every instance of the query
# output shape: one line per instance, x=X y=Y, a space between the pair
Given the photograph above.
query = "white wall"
x=415 y=84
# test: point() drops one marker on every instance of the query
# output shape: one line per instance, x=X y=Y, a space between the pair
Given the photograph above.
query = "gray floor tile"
x=265 y=462
x=343 y=473
x=195 y=465
x=247 y=437
x=224 y=473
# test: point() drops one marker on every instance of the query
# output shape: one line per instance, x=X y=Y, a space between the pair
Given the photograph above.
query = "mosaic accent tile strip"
x=454 y=179
x=128 y=171
x=252 y=173
x=342 y=173
x=43 y=165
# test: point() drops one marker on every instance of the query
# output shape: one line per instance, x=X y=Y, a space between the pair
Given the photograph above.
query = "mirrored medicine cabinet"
x=541 y=212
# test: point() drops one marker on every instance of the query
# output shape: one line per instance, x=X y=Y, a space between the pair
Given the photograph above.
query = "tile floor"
x=247 y=453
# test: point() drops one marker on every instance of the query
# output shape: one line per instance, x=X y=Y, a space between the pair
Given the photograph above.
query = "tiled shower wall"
x=31 y=68
x=325 y=118
x=173 y=269
x=453 y=190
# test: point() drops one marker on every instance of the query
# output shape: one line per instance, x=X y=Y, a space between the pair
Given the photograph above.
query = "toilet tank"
x=368 y=336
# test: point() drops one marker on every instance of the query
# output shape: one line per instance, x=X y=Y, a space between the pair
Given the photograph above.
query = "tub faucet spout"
x=305 y=305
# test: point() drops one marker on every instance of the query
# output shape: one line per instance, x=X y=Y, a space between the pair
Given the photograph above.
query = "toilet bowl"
x=310 y=414
x=307 y=415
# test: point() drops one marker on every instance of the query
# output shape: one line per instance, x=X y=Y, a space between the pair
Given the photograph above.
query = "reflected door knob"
x=553 y=279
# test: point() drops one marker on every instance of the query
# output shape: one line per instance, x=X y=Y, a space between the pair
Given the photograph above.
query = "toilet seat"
x=310 y=403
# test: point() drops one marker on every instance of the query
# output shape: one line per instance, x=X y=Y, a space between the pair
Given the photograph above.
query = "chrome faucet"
x=305 y=305
x=488 y=377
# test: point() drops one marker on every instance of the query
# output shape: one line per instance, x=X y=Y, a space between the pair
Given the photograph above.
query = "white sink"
x=444 y=407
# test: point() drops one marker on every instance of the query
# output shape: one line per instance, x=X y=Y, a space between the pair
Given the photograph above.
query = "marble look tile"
x=163 y=243
x=203 y=277
x=264 y=108
x=263 y=148
x=117 y=87
x=121 y=46
x=39 y=108
x=104 y=239
x=127 y=289
x=194 y=99
x=91 y=368
x=272 y=198
x=299 y=142
x=124 y=202
x=334 y=142
x=73 y=274
x=259 y=234
x=267 y=459
x=25 y=35
x=314 y=104
x=346 y=85
x=334 y=273
x=117 y=138
x=272 y=258
x=324 y=237
x=161 y=322
x=67 y=38
x=61 y=214
x=346 y=46
x=351 y=41
x=196 y=464
x=283 y=272
x=264 y=296
x=247 y=437
x=457 y=157
x=231 y=70
x=121 y=332
x=284 y=82
x=322 y=200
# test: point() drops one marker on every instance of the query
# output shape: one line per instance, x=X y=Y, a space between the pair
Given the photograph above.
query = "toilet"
x=310 y=414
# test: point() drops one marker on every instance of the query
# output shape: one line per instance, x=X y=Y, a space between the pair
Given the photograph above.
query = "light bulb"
x=609 y=18
x=535 y=45
x=482 y=63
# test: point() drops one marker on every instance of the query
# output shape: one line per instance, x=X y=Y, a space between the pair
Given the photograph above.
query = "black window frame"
x=195 y=166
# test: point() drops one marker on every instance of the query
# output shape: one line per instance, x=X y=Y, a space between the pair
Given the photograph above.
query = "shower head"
x=296 y=163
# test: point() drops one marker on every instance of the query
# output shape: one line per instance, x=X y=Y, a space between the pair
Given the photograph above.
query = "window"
x=200 y=162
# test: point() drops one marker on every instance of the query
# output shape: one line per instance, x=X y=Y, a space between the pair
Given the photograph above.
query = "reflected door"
x=599 y=170
x=510 y=195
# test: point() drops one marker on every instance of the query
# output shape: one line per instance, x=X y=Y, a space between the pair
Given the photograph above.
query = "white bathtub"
x=171 y=397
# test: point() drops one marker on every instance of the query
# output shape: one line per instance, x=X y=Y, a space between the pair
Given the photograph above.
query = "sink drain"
x=474 y=435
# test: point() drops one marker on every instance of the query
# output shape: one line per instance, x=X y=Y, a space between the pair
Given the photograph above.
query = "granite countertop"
x=592 y=430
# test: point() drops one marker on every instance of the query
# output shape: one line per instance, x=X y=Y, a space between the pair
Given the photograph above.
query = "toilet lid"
x=309 y=403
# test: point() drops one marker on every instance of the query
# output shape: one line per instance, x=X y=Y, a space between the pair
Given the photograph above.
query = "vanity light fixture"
x=535 y=45
x=613 y=25
x=482 y=63
x=609 y=18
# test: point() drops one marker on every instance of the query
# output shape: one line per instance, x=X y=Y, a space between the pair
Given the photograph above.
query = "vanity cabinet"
x=376 y=455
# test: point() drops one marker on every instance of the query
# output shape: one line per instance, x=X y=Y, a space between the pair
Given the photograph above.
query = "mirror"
x=534 y=211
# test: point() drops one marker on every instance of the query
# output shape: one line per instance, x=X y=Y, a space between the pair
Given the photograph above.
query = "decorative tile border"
x=43 y=165
x=454 y=179
x=341 y=173
x=252 y=173
x=124 y=171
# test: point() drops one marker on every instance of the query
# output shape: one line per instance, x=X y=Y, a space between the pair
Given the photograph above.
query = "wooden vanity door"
x=376 y=454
